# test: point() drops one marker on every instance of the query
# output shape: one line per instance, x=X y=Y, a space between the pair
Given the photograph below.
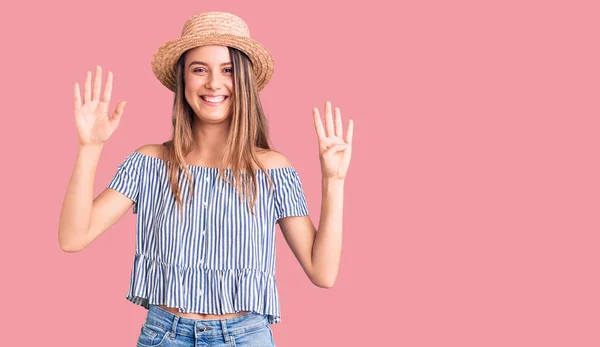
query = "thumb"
x=116 y=118
x=335 y=148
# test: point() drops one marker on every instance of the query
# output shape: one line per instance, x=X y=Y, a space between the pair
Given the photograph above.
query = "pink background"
x=471 y=204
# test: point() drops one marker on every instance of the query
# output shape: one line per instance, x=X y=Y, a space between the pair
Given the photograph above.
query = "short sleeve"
x=289 y=195
x=127 y=178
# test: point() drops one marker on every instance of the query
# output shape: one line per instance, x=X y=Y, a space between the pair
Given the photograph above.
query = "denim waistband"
x=160 y=317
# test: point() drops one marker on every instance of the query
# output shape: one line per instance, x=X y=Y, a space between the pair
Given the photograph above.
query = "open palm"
x=334 y=151
x=92 y=122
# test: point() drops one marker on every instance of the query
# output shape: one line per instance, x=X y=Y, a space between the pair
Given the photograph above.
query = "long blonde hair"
x=248 y=128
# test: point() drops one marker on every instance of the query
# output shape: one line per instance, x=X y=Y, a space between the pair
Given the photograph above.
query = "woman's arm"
x=77 y=204
x=319 y=252
x=82 y=218
x=80 y=213
x=327 y=248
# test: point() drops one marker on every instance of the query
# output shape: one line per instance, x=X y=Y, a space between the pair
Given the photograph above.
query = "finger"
x=318 y=125
x=97 y=83
x=350 y=132
x=108 y=88
x=116 y=117
x=339 y=132
x=77 y=96
x=329 y=119
x=87 y=89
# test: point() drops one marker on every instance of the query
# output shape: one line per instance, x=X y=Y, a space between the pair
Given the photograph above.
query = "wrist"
x=330 y=181
x=91 y=147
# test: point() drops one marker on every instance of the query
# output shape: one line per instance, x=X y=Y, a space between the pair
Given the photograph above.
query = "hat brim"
x=165 y=58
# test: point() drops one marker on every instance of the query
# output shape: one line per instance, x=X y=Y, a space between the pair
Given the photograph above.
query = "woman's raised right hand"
x=92 y=122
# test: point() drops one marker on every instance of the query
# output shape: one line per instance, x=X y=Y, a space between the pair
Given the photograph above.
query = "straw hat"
x=212 y=28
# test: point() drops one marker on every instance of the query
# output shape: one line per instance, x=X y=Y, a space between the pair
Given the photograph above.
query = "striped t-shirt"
x=218 y=258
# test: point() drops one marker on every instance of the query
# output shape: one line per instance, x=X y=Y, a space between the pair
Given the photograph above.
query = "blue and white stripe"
x=218 y=258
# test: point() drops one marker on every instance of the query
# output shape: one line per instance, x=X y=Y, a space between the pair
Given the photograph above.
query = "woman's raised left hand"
x=334 y=151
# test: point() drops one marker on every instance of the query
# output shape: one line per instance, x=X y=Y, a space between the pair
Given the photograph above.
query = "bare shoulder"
x=153 y=150
x=272 y=159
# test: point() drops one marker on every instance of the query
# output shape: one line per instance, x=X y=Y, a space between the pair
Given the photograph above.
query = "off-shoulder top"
x=218 y=258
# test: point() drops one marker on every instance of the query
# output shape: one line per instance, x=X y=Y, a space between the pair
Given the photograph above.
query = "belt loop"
x=224 y=328
x=173 y=331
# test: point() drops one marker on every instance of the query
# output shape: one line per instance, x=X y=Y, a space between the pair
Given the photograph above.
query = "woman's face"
x=209 y=82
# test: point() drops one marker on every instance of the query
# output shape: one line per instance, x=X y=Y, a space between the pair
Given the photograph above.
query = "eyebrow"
x=205 y=64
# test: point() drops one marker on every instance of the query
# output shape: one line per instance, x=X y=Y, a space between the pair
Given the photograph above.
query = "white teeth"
x=213 y=99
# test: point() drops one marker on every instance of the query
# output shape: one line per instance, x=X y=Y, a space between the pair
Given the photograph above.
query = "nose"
x=214 y=82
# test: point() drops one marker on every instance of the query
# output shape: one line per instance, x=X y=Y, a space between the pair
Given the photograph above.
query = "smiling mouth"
x=213 y=100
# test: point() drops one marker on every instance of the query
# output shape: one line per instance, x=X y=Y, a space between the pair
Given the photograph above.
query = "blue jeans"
x=163 y=328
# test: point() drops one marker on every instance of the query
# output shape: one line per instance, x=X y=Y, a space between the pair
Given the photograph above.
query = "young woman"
x=207 y=200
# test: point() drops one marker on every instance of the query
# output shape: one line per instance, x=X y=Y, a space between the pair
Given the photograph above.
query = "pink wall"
x=471 y=204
